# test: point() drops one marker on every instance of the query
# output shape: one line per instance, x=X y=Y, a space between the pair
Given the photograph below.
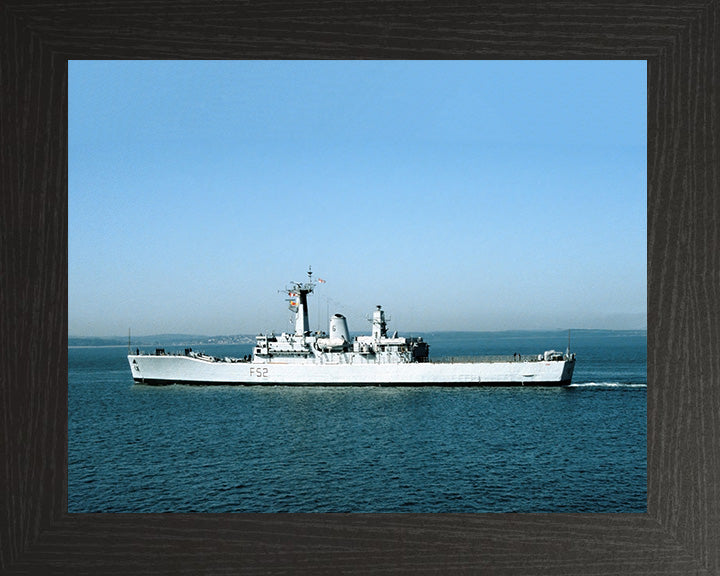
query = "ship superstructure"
x=335 y=347
x=336 y=358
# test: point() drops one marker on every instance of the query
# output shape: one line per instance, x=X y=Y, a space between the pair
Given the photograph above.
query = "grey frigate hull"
x=170 y=369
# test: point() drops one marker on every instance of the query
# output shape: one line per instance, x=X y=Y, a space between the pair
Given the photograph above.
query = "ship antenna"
x=568 y=348
x=128 y=341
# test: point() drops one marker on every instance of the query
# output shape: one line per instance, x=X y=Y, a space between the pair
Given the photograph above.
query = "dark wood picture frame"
x=679 y=534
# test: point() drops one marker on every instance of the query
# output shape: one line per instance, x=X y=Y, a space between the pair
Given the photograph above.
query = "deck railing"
x=496 y=358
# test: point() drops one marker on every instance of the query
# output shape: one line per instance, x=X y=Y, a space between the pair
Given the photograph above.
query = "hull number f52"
x=259 y=372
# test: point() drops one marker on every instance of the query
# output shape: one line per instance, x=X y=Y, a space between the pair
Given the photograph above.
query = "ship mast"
x=298 y=292
x=379 y=326
x=567 y=352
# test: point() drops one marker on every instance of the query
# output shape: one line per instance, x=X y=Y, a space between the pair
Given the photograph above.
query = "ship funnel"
x=338 y=327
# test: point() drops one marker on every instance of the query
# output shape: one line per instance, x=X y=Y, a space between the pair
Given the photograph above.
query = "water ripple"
x=283 y=449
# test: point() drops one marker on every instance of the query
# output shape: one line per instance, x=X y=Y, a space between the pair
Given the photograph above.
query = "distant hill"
x=161 y=340
x=199 y=340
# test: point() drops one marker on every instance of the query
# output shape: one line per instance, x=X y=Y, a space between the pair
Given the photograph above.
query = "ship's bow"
x=567 y=373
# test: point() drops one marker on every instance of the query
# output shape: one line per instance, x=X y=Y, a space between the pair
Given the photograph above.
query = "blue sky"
x=471 y=195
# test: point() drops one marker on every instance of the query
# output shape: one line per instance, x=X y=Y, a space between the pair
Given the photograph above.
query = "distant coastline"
x=158 y=340
x=200 y=340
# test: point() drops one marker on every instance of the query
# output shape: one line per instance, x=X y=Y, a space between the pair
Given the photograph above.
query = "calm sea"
x=134 y=448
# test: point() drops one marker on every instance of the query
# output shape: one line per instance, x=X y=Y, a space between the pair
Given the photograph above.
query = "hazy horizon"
x=251 y=334
x=461 y=196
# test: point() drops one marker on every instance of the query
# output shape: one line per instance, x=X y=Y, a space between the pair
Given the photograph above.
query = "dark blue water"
x=134 y=448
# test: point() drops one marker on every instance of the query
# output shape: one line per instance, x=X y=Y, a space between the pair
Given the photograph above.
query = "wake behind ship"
x=307 y=358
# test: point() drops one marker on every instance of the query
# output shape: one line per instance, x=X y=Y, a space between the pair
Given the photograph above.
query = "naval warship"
x=306 y=358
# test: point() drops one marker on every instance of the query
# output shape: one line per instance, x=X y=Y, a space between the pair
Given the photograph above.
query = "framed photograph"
x=674 y=533
x=484 y=212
